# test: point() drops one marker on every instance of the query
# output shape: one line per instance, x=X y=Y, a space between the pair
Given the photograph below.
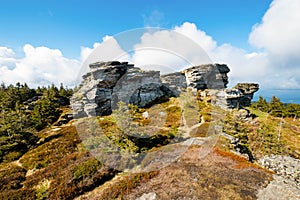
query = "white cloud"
x=279 y=31
x=186 y=45
x=200 y=37
x=86 y=51
x=109 y=49
x=44 y=66
x=40 y=66
x=278 y=35
x=244 y=66
x=169 y=50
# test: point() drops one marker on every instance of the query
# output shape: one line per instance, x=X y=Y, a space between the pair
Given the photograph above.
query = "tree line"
x=23 y=112
x=276 y=108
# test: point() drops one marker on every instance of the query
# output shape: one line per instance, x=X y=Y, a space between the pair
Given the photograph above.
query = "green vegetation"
x=40 y=162
x=86 y=169
x=25 y=111
x=264 y=134
x=41 y=190
x=276 y=108
x=130 y=131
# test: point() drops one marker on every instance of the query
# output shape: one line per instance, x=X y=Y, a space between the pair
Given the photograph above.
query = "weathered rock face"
x=237 y=97
x=95 y=93
x=131 y=81
x=212 y=76
x=286 y=181
x=175 y=81
x=149 y=94
x=108 y=83
x=240 y=95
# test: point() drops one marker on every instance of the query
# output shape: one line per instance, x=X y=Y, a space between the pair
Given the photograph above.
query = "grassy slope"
x=61 y=168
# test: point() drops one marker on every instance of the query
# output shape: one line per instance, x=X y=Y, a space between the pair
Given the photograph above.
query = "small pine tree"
x=261 y=104
x=62 y=91
x=45 y=112
x=276 y=107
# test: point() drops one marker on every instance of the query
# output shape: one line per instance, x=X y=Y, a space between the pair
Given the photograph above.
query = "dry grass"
x=64 y=142
x=217 y=176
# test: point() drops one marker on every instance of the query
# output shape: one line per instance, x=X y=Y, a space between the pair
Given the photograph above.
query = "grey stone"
x=175 y=81
x=108 y=83
x=147 y=196
x=133 y=79
x=95 y=92
x=210 y=76
x=150 y=94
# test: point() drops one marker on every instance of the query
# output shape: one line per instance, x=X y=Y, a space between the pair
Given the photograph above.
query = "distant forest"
x=276 y=108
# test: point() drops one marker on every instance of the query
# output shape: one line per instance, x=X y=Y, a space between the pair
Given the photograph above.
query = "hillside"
x=185 y=146
x=59 y=166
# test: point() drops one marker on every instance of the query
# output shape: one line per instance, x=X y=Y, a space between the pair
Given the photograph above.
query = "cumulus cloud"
x=167 y=51
x=86 y=51
x=187 y=45
x=39 y=66
x=109 y=49
x=279 y=31
x=200 y=37
x=278 y=35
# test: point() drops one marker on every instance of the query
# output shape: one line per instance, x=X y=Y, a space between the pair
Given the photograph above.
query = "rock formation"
x=108 y=83
x=240 y=95
x=95 y=91
x=211 y=76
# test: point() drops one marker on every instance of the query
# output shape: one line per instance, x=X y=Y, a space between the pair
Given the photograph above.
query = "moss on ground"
x=53 y=150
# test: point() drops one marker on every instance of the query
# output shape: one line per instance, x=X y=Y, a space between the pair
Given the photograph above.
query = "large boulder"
x=246 y=91
x=210 y=76
x=239 y=96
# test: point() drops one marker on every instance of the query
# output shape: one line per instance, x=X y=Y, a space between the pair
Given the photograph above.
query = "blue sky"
x=44 y=42
x=69 y=24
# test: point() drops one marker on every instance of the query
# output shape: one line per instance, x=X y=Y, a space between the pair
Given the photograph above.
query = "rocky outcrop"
x=211 y=76
x=95 y=92
x=284 y=166
x=240 y=95
x=131 y=83
x=108 y=83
